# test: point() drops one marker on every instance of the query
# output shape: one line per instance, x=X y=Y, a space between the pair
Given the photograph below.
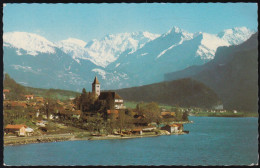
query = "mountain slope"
x=17 y=91
x=183 y=92
x=232 y=75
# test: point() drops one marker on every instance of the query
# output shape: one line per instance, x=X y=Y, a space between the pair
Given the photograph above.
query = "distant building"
x=137 y=131
x=18 y=130
x=5 y=91
x=173 y=128
x=116 y=102
x=28 y=97
x=96 y=87
x=167 y=114
x=76 y=114
x=29 y=131
x=39 y=99
x=219 y=107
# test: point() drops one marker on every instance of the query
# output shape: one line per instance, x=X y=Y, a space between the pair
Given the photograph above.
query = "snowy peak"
x=72 y=46
x=32 y=43
x=236 y=35
x=74 y=41
x=210 y=42
x=177 y=32
x=108 y=49
x=150 y=36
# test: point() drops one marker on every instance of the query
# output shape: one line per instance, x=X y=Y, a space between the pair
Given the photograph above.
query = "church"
x=117 y=101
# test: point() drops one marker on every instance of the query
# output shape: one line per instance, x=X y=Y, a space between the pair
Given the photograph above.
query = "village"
x=92 y=115
x=98 y=113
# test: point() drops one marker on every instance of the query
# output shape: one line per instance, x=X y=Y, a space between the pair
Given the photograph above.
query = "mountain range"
x=232 y=74
x=118 y=60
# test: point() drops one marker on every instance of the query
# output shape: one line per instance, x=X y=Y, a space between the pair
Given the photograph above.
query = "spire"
x=96 y=81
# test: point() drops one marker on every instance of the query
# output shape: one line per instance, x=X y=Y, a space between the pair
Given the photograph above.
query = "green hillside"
x=17 y=91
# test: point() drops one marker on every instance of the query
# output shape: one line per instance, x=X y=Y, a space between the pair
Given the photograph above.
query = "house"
x=167 y=114
x=116 y=102
x=39 y=99
x=76 y=114
x=137 y=131
x=41 y=123
x=219 y=107
x=5 y=91
x=173 y=128
x=29 y=131
x=148 y=128
x=18 y=130
x=28 y=97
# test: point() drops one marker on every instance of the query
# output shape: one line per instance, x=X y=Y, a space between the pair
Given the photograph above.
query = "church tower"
x=96 y=87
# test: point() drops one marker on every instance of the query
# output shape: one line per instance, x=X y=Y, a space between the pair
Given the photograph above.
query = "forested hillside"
x=17 y=91
x=184 y=93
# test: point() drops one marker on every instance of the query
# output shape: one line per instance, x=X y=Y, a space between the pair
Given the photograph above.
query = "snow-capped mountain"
x=119 y=60
x=73 y=47
x=210 y=42
x=29 y=42
x=175 y=50
x=109 y=48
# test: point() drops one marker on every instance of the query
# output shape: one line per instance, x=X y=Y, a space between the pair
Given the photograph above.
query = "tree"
x=150 y=111
x=49 y=104
x=95 y=123
x=185 y=116
x=178 y=115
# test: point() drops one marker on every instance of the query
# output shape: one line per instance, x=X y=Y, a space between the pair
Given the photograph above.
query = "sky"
x=58 y=22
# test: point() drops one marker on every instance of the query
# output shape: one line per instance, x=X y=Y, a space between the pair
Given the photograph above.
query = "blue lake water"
x=211 y=141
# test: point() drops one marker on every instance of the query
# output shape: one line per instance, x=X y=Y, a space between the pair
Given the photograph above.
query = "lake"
x=211 y=141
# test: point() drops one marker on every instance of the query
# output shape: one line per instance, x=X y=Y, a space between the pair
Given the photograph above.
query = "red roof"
x=9 y=126
x=28 y=95
x=137 y=129
x=6 y=90
x=112 y=111
x=168 y=113
x=77 y=112
x=18 y=103
x=176 y=125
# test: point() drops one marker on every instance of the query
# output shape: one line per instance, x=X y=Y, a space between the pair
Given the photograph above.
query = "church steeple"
x=96 y=87
x=95 y=81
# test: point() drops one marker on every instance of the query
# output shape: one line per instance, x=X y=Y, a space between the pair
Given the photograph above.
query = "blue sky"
x=88 y=21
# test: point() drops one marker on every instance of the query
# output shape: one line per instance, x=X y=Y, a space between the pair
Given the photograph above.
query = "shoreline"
x=13 y=141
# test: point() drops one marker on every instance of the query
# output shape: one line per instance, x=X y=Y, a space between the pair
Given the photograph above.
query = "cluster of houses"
x=70 y=111
x=18 y=130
